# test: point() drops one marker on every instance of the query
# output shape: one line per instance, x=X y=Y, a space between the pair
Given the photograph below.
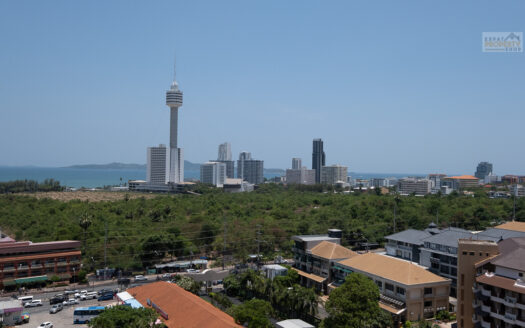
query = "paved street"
x=64 y=318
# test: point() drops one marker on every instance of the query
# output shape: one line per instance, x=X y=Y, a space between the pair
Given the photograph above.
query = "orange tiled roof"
x=392 y=268
x=328 y=250
x=184 y=309
x=463 y=177
x=513 y=225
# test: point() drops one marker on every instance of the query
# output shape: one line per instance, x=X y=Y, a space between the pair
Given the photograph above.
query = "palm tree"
x=84 y=221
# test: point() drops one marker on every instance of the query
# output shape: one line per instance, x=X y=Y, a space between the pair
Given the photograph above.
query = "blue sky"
x=390 y=86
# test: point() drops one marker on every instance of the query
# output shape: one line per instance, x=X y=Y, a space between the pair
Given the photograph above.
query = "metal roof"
x=410 y=236
x=450 y=237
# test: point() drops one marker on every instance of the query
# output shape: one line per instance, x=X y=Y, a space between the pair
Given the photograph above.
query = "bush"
x=222 y=300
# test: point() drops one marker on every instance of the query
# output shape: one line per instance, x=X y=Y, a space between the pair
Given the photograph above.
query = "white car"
x=140 y=278
x=33 y=303
x=70 y=301
x=89 y=296
x=46 y=324
x=192 y=271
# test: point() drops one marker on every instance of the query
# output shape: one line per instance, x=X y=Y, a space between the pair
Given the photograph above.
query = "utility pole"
x=258 y=243
x=514 y=194
x=395 y=218
x=224 y=244
x=105 y=248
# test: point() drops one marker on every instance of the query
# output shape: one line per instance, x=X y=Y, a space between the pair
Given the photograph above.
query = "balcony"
x=434 y=260
x=475 y=318
x=496 y=299
x=475 y=289
x=510 y=301
x=485 y=324
x=520 y=321
x=510 y=316
x=485 y=292
x=520 y=306
x=485 y=308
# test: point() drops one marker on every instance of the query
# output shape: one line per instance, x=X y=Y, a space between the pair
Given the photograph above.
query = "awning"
x=30 y=279
x=9 y=282
x=310 y=276
x=391 y=309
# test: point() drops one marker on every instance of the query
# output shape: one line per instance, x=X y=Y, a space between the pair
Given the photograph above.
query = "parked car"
x=33 y=303
x=79 y=294
x=166 y=276
x=56 y=308
x=104 y=291
x=57 y=299
x=105 y=297
x=140 y=278
x=89 y=296
x=71 y=301
x=192 y=271
x=46 y=324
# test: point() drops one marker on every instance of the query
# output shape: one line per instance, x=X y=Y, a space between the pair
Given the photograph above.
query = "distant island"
x=124 y=166
x=110 y=166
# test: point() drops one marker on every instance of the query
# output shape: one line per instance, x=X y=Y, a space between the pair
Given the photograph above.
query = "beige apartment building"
x=408 y=291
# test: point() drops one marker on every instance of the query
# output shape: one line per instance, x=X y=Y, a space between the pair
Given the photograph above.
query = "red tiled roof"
x=184 y=309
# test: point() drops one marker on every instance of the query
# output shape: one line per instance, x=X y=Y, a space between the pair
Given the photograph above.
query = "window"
x=453 y=271
x=464 y=253
x=462 y=279
x=471 y=253
x=428 y=291
x=462 y=294
x=444 y=269
x=520 y=274
x=389 y=287
x=400 y=291
x=379 y=284
x=428 y=303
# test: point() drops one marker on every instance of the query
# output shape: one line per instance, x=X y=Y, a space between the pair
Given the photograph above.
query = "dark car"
x=57 y=299
x=106 y=297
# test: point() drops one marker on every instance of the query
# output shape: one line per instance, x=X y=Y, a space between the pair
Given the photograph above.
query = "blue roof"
x=133 y=303
x=90 y=308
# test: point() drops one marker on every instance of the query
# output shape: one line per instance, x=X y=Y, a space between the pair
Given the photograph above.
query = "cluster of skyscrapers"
x=221 y=171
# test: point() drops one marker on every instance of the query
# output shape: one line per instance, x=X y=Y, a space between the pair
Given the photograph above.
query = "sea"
x=93 y=178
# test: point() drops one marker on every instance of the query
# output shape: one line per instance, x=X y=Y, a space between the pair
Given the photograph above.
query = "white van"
x=25 y=299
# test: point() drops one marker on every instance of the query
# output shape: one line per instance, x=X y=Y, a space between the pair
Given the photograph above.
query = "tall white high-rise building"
x=157 y=165
x=176 y=157
x=213 y=173
x=296 y=163
x=225 y=152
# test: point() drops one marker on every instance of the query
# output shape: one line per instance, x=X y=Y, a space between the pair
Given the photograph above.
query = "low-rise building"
x=11 y=312
x=419 y=187
x=25 y=262
x=179 y=308
x=316 y=266
x=461 y=182
x=407 y=290
x=406 y=244
x=237 y=185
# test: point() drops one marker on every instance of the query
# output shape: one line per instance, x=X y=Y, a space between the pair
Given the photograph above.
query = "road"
x=46 y=295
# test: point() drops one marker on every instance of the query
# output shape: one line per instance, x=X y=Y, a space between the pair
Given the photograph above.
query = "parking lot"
x=63 y=318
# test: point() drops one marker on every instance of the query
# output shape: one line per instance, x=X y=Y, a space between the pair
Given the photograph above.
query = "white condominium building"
x=158 y=162
x=333 y=174
x=213 y=173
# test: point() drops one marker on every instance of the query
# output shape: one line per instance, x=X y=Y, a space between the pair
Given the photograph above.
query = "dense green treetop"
x=143 y=231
